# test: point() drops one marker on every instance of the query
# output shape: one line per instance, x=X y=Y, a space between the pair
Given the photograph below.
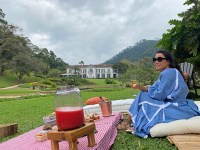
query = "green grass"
x=97 y=81
x=101 y=82
x=27 y=113
x=112 y=94
x=18 y=91
x=128 y=141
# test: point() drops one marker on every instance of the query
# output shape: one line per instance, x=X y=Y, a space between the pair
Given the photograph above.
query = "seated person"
x=165 y=100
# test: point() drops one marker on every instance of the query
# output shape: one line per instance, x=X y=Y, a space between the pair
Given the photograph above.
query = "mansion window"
x=102 y=70
x=97 y=70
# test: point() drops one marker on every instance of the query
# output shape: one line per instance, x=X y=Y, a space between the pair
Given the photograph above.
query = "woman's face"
x=160 y=63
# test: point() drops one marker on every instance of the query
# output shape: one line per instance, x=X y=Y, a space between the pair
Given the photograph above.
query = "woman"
x=165 y=100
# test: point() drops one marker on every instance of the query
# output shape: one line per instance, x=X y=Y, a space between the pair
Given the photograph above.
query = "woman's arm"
x=164 y=86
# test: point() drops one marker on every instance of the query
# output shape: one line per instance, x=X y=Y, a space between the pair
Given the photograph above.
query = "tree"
x=81 y=62
x=3 y=23
x=22 y=65
x=11 y=46
x=183 y=39
x=39 y=68
x=51 y=60
x=61 y=65
x=54 y=73
x=120 y=67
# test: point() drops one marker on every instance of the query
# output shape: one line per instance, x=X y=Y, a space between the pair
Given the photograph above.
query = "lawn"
x=18 y=91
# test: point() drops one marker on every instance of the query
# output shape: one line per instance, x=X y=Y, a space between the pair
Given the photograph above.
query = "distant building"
x=91 y=71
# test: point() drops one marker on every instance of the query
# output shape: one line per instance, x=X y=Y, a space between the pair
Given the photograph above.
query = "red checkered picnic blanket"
x=104 y=138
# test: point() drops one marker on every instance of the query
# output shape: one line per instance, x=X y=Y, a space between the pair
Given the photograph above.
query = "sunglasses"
x=159 y=59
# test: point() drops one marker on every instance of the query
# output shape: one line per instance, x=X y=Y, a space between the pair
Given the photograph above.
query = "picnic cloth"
x=186 y=141
x=105 y=136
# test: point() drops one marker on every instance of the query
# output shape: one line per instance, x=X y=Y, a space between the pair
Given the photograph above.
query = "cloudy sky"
x=92 y=31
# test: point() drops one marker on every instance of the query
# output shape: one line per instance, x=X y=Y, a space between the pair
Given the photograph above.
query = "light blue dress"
x=164 y=101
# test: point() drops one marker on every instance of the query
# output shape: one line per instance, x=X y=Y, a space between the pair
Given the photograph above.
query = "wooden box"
x=8 y=129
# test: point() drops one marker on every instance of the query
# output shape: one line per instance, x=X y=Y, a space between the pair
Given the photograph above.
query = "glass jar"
x=68 y=108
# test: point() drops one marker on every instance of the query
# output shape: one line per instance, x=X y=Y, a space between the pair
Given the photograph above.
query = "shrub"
x=75 y=81
x=110 y=81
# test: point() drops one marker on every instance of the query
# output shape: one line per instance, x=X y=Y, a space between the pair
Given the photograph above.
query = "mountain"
x=142 y=49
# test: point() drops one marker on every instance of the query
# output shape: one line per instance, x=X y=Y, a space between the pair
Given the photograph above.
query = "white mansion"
x=91 y=71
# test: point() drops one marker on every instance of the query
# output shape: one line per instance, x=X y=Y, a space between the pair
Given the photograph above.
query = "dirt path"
x=10 y=87
x=9 y=96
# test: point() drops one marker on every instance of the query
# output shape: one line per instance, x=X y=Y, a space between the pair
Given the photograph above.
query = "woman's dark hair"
x=173 y=63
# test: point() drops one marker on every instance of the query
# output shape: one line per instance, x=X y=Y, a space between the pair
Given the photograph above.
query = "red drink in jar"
x=69 y=117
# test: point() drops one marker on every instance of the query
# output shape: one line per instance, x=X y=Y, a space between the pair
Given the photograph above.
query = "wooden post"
x=54 y=145
x=91 y=140
x=73 y=145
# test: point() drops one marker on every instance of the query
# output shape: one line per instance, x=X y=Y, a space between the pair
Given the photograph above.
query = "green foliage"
x=26 y=85
x=184 y=37
x=2 y=15
x=74 y=81
x=120 y=67
x=54 y=73
x=52 y=62
x=22 y=65
x=48 y=82
x=110 y=81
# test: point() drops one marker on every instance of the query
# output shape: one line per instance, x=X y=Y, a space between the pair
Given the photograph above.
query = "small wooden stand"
x=8 y=129
x=71 y=136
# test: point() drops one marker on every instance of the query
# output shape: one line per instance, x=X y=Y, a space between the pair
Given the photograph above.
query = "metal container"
x=106 y=108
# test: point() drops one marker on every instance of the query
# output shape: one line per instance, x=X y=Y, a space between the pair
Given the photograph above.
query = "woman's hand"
x=140 y=87
x=135 y=86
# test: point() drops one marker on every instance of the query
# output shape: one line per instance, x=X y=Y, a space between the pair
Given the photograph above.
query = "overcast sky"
x=92 y=31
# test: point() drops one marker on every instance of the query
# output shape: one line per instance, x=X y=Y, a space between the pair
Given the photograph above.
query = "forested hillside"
x=142 y=49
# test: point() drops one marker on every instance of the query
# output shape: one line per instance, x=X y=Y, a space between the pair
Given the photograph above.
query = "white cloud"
x=88 y=30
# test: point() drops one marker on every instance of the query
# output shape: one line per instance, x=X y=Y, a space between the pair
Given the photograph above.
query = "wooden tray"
x=186 y=141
